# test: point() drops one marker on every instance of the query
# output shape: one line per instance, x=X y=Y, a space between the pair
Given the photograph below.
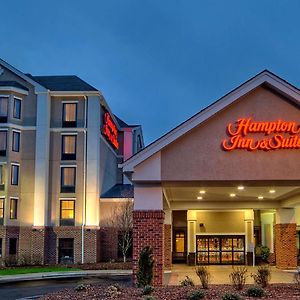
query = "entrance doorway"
x=179 y=245
x=220 y=249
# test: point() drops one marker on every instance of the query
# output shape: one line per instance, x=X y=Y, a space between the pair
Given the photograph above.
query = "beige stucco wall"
x=198 y=155
x=220 y=222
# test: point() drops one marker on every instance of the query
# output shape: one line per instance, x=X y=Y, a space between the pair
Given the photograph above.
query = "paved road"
x=42 y=287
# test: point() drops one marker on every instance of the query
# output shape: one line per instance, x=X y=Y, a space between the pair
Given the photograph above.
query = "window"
x=67 y=212
x=66 y=251
x=68 y=179
x=16 y=141
x=2 y=177
x=3 y=142
x=1 y=210
x=69 y=115
x=3 y=109
x=12 y=246
x=17 y=108
x=68 y=147
x=13 y=210
x=15 y=174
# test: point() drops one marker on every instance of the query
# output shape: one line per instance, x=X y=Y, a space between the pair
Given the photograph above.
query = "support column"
x=148 y=228
x=168 y=240
x=249 y=230
x=191 y=237
x=285 y=239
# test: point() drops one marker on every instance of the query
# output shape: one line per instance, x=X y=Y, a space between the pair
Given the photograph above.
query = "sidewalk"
x=67 y=274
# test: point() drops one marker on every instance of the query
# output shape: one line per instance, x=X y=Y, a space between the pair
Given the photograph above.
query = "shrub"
x=148 y=289
x=187 y=281
x=113 y=291
x=146 y=263
x=256 y=292
x=204 y=276
x=196 y=295
x=149 y=298
x=230 y=296
x=238 y=277
x=262 y=276
x=80 y=287
x=24 y=260
x=263 y=252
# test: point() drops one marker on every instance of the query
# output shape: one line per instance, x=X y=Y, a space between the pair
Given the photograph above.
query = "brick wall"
x=148 y=230
x=285 y=246
x=167 y=247
x=109 y=243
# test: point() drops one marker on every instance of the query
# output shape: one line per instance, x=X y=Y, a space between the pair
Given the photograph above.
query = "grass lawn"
x=26 y=270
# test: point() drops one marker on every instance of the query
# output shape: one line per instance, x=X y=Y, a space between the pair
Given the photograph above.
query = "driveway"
x=220 y=274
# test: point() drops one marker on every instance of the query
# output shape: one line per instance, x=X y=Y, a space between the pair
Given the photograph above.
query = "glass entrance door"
x=220 y=249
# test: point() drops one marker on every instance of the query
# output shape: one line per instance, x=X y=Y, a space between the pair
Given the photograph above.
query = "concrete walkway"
x=220 y=275
x=57 y=275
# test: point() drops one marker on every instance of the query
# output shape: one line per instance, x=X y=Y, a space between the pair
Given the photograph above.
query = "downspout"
x=84 y=177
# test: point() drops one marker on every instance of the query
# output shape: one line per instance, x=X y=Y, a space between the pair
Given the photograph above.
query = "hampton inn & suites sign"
x=274 y=135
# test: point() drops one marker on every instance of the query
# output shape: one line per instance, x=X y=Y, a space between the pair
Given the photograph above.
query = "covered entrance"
x=220 y=250
x=223 y=182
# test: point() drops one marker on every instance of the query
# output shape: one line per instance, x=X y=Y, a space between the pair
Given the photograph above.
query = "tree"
x=122 y=221
x=146 y=263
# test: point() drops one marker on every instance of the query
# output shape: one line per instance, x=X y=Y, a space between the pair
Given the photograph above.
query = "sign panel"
x=274 y=135
x=110 y=130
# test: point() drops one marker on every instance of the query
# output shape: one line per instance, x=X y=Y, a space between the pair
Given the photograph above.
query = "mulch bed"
x=274 y=291
x=105 y=266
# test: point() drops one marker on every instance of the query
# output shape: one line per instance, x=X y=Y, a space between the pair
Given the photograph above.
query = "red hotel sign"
x=278 y=135
x=110 y=130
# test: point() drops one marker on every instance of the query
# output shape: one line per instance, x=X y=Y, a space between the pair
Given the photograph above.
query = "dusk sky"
x=156 y=62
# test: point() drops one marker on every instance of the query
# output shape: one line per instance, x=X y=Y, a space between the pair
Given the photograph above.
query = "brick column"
x=38 y=245
x=285 y=239
x=148 y=230
x=167 y=247
x=91 y=245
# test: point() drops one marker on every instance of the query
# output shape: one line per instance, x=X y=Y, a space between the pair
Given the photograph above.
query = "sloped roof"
x=263 y=78
x=13 y=84
x=119 y=191
x=63 y=83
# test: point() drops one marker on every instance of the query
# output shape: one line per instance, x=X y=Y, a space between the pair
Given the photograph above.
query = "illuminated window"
x=3 y=143
x=13 y=208
x=17 y=108
x=16 y=141
x=1 y=210
x=68 y=179
x=67 y=212
x=3 y=109
x=68 y=147
x=69 y=115
x=14 y=174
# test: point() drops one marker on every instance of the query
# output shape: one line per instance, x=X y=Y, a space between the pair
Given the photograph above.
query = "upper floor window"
x=13 y=210
x=3 y=142
x=69 y=115
x=68 y=147
x=2 y=177
x=68 y=179
x=16 y=141
x=17 y=108
x=67 y=212
x=1 y=210
x=14 y=174
x=3 y=109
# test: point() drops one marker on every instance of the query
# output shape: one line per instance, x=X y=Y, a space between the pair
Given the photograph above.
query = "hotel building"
x=60 y=147
x=223 y=181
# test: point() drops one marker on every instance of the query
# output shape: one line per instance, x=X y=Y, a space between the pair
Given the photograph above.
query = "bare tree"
x=122 y=220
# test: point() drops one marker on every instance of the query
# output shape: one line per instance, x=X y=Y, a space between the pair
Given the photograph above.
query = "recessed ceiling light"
x=272 y=191
x=260 y=197
x=232 y=195
x=199 y=198
x=240 y=188
x=202 y=192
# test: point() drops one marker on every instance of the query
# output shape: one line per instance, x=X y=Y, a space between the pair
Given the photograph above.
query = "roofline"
x=39 y=87
x=261 y=78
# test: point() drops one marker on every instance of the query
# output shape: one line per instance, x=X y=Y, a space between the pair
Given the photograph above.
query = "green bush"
x=230 y=296
x=148 y=289
x=262 y=276
x=256 y=292
x=196 y=295
x=146 y=263
x=263 y=252
x=80 y=287
x=187 y=281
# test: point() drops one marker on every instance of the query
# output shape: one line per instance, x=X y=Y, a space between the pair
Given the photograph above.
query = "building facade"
x=60 y=147
x=223 y=182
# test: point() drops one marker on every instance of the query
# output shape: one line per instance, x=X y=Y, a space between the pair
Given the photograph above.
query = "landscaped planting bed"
x=273 y=291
